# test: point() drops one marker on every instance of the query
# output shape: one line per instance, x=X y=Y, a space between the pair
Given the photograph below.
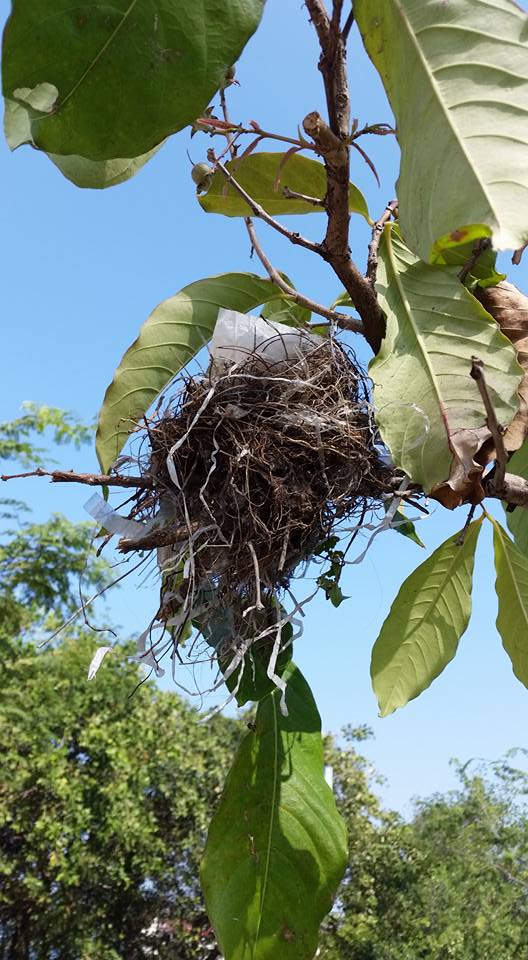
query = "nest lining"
x=253 y=468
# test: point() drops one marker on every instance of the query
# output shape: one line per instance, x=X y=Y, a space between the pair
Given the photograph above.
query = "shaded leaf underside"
x=456 y=74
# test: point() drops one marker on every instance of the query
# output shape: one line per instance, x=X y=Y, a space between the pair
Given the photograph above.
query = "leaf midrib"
x=98 y=56
x=431 y=606
x=271 y=823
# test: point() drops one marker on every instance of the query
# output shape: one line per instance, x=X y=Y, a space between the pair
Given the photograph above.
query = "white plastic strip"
x=111 y=519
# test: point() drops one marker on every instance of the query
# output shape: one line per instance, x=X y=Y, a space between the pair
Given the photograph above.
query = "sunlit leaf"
x=258 y=174
x=402 y=524
x=113 y=80
x=421 y=633
x=456 y=74
x=276 y=849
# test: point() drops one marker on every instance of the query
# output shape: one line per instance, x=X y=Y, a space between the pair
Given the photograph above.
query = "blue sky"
x=83 y=269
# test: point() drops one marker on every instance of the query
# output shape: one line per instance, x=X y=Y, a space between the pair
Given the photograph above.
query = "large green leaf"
x=104 y=80
x=517 y=520
x=511 y=566
x=258 y=174
x=456 y=74
x=98 y=174
x=421 y=633
x=169 y=338
x=276 y=849
x=422 y=389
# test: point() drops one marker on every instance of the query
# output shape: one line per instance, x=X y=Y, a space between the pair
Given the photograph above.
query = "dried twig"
x=340 y=319
x=92 y=479
x=517 y=255
x=495 y=482
x=293 y=195
x=377 y=230
x=259 y=210
x=478 y=249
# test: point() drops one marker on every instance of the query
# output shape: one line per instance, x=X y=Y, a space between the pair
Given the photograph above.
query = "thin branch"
x=347 y=26
x=319 y=18
x=462 y=535
x=377 y=230
x=517 y=254
x=496 y=482
x=92 y=479
x=293 y=195
x=213 y=125
x=478 y=249
x=339 y=319
x=162 y=537
x=260 y=212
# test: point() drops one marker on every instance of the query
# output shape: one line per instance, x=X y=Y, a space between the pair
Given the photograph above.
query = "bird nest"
x=254 y=467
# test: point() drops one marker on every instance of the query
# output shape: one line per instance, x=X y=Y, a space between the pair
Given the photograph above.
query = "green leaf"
x=113 y=80
x=257 y=174
x=343 y=300
x=511 y=566
x=276 y=849
x=421 y=633
x=98 y=174
x=456 y=75
x=402 y=524
x=422 y=389
x=168 y=339
x=517 y=520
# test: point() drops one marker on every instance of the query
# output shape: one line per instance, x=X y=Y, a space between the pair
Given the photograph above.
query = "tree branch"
x=514 y=489
x=340 y=319
x=377 y=230
x=92 y=479
x=496 y=480
x=333 y=142
x=260 y=212
x=334 y=248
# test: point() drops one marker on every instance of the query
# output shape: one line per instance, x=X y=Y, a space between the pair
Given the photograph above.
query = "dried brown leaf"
x=465 y=480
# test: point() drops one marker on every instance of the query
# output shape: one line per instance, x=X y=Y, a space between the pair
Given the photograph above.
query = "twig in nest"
x=496 y=482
